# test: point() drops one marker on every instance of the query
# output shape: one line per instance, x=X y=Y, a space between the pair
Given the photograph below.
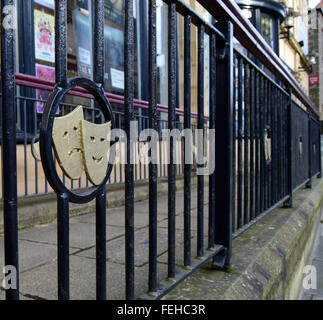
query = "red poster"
x=313 y=80
x=46 y=73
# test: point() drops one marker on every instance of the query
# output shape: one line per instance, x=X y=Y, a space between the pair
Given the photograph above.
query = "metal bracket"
x=220 y=261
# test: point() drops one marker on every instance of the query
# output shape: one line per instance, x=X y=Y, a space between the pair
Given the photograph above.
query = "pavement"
x=38 y=252
x=316 y=260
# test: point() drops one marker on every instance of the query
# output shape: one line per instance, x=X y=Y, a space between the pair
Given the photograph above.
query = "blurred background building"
x=315 y=32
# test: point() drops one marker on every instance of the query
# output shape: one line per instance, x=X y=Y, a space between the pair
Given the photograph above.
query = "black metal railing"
x=266 y=146
x=260 y=151
x=31 y=180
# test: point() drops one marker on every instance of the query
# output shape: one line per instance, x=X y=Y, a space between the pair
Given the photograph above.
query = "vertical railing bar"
x=200 y=178
x=153 y=124
x=61 y=42
x=240 y=181
x=36 y=161
x=309 y=183
x=277 y=145
x=234 y=144
x=9 y=151
x=257 y=137
x=246 y=144
x=63 y=114
x=25 y=146
x=63 y=247
x=98 y=77
x=279 y=142
x=129 y=168
x=270 y=167
x=223 y=156
x=212 y=177
x=285 y=151
x=265 y=117
x=172 y=101
x=283 y=135
x=62 y=199
x=252 y=139
x=266 y=161
x=120 y=155
x=273 y=144
x=187 y=126
x=262 y=111
x=319 y=151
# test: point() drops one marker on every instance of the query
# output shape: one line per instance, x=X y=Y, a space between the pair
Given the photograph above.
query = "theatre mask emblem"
x=67 y=142
x=96 y=148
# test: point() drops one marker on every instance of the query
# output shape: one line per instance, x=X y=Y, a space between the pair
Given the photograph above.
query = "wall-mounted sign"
x=313 y=80
x=46 y=3
x=44 y=36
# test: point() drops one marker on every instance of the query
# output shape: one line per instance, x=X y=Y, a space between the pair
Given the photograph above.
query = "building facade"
x=316 y=44
x=283 y=24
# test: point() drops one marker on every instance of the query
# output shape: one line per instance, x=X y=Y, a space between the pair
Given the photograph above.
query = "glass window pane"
x=267 y=29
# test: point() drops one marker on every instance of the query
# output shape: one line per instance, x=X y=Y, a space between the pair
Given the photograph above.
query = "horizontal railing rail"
x=47 y=85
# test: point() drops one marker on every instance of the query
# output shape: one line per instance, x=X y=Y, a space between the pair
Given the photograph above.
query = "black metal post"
x=9 y=153
x=309 y=183
x=100 y=225
x=62 y=199
x=172 y=102
x=200 y=126
x=63 y=269
x=289 y=203
x=129 y=168
x=98 y=76
x=212 y=178
x=246 y=144
x=224 y=144
x=187 y=125
x=61 y=42
x=319 y=151
x=153 y=124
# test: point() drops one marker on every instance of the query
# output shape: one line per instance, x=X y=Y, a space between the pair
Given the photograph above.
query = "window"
x=267 y=28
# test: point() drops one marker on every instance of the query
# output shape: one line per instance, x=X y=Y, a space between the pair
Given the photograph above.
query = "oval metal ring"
x=46 y=140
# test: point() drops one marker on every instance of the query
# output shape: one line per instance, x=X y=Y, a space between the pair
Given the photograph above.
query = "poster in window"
x=44 y=36
x=114 y=11
x=45 y=73
x=114 y=57
x=83 y=44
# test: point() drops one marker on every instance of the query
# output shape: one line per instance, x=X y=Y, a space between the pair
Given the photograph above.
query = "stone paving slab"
x=82 y=235
x=179 y=221
x=116 y=248
x=42 y=282
x=116 y=218
x=32 y=254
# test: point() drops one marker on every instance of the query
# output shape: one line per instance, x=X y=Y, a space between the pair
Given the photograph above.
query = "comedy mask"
x=96 y=146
